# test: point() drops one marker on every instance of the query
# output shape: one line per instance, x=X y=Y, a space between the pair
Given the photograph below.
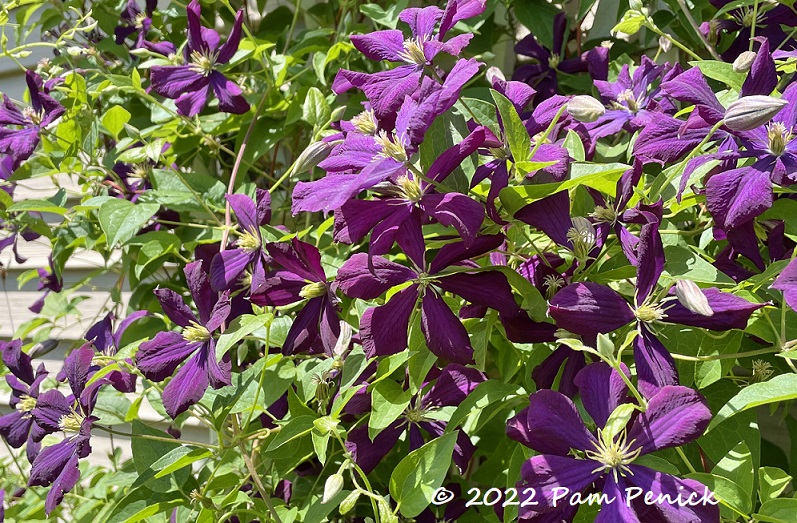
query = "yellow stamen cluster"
x=202 y=63
x=34 y=117
x=410 y=189
x=628 y=97
x=365 y=122
x=604 y=214
x=762 y=371
x=413 y=51
x=391 y=146
x=71 y=422
x=778 y=137
x=249 y=242
x=196 y=333
x=615 y=455
x=552 y=283
x=26 y=403
x=553 y=61
x=647 y=313
x=414 y=415
x=583 y=237
x=313 y=290
x=139 y=20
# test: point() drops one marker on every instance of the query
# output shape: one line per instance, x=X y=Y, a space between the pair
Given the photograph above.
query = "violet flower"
x=107 y=342
x=768 y=24
x=191 y=83
x=21 y=129
x=134 y=22
x=195 y=345
x=786 y=282
x=19 y=427
x=552 y=425
x=370 y=153
x=316 y=327
x=48 y=282
x=249 y=253
x=588 y=308
x=542 y=75
x=383 y=329
x=451 y=387
x=57 y=466
x=386 y=89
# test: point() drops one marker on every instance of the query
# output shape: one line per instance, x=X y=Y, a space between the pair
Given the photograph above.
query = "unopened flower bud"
x=635 y=5
x=348 y=504
x=665 y=44
x=691 y=297
x=493 y=74
x=585 y=108
x=385 y=514
x=743 y=62
x=310 y=157
x=750 y=112
x=332 y=487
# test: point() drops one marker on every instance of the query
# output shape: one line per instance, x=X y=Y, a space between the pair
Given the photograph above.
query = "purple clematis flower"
x=589 y=309
x=57 y=466
x=786 y=282
x=551 y=425
x=370 y=153
x=542 y=75
x=48 y=282
x=383 y=329
x=107 y=342
x=19 y=135
x=451 y=387
x=134 y=22
x=386 y=90
x=228 y=266
x=195 y=345
x=190 y=83
x=19 y=427
x=768 y=24
x=411 y=202
x=316 y=327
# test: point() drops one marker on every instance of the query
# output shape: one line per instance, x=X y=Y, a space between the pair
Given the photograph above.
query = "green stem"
x=157 y=438
x=686 y=461
x=733 y=356
x=675 y=42
x=699 y=33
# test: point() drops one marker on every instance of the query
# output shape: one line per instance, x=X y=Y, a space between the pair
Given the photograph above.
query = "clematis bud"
x=691 y=297
x=332 y=487
x=743 y=62
x=585 y=108
x=665 y=44
x=493 y=74
x=311 y=156
x=347 y=504
x=750 y=112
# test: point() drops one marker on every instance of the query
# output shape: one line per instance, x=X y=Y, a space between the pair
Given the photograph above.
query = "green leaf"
x=121 y=220
x=315 y=109
x=483 y=396
x=683 y=262
x=720 y=71
x=516 y=133
x=630 y=24
x=617 y=421
x=389 y=401
x=37 y=206
x=574 y=146
x=737 y=466
x=240 y=328
x=783 y=510
x=293 y=429
x=780 y=388
x=772 y=481
x=423 y=470
x=179 y=458
x=387 y=17
x=153 y=509
x=115 y=119
x=728 y=493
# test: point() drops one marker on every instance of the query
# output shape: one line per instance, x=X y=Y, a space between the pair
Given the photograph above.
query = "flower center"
x=614 y=455
x=414 y=415
x=249 y=242
x=762 y=371
x=391 y=146
x=647 y=313
x=410 y=189
x=196 y=333
x=365 y=122
x=499 y=153
x=778 y=137
x=34 y=117
x=582 y=235
x=71 y=422
x=552 y=283
x=246 y=279
x=553 y=61
x=139 y=20
x=26 y=403
x=713 y=31
x=140 y=171
x=604 y=214
x=630 y=100
x=313 y=290
x=413 y=51
x=202 y=63
x=104 y=358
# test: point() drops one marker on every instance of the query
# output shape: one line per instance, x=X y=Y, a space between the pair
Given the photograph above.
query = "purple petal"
x=619 y=511
x=220 y=312
x=227 y=267
x=245 y=212
x=655 y=366
x=230 y=96
x=452 y=386
x=589 y=308
x=229 y=48
x=490 y=289
x=17 y=361
x=188 y=385
x=381 y=45
x=191 y=103
x=158 y=358
x=359 y=280
x=659 y=483
x=356 y=218
x=445 y=335
x=204 y=297
x=550 y=424
x=730 y=312
x=762 y=78
x=650 y=261
x=786 y=282
x=551 y=215
x=547 y=473
x=172 y=81
x=76 y=368
x=174 y=307
x=602 y=390
x=457 y=210
x=738 y=195
x=368 y=454
x=674 y=417
x=304 y=332
x=300 y=258
x=454 y=253
x=383 y=329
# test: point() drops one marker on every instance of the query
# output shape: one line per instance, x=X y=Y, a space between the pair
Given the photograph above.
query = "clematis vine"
x=452 y=385
x=574 y=460
x=135 y=22
x=190 y=84
x=158 y=358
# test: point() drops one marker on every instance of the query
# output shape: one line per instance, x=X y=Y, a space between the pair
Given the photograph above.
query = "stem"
x=157 y=438
x=675 y=42
x=253 y=471
x=752 y=26
x=733 y=356
x=685 y=460
x=702 y=37
x=296 y=9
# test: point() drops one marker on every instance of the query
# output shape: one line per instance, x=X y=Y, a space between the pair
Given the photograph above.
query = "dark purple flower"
x=451 y=387
x=191 y=83
x=57 y=466
x=107 y=343
x=552 y=425
x=768 y=24
x=19 y=134
x=589 y=309
x=195 y=345
x=134 y=22
x=316 y=327
x=19 y=427
x=386 y=90
x=383 y=329
x=48 y=282
x=542 y=75
x=249 y=253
